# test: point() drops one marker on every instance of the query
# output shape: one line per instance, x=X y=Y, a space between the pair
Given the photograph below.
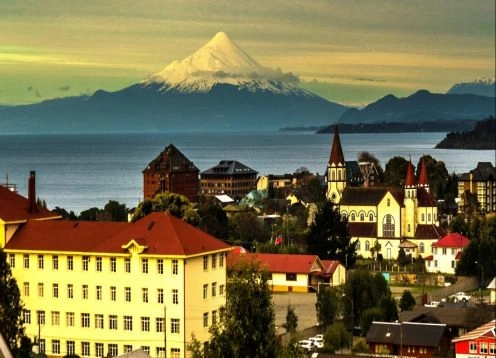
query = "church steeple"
x=410 y=187
x=336 y=170
x=423 y=181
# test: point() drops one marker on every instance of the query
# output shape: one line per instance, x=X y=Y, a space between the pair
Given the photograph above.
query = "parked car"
x=432 y=304
x=460 y=297
x=318 y=341
x=306 y=345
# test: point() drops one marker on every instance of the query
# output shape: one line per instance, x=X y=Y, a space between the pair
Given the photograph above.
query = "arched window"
x=429 y=217
x=358 y=245
x=333 y=175
x=409 y=228
x=339 y=174
x=362 y=217
x=421 y=247
x=353 y=217
x=388 y=226
x=367 y=245
x=371 y=217
x=389 y=202
x=422 y=217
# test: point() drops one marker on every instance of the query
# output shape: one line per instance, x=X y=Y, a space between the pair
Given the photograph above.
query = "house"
x=480 y=182
x=229 y=177
x=171 y=171
x=284 y=181
x=294 y=273
x=479 y=343
x=492 y=291
x=408 y=339
x=108 y=288
x=455 y=318
x=446 y=253
x=384 y=215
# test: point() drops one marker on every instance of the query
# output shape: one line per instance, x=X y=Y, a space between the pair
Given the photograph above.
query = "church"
x=385 y=219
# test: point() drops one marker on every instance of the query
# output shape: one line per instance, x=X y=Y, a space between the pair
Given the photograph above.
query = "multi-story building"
x=104 y=288
x=480 y=182
x=171 y=171
x=389 y=218
x=229 y=177
x=446 y=253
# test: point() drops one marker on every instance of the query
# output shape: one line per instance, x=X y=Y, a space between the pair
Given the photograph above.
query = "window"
x=371 y=217
x=214 y=317
x=444 y=251
x=127 y=294
x=99 y=293
x=160 y=266
x=175 y=267
x=128 y=348
x=112 y=350
x=113 y=264
x=421 y=247
x=357 y=247
x=221 y=290
x=353 y=217
x=435 y=263
x=12 y=260
x=42 y=345
x=26 y=316
x=160 y=295
x=205 y=319
x=144 y=293
x=175 y=296
x=159 y=324
x=69 y=319
x=221 y=260
x=146 y=349
x=71 y=347
x=99 y=349
x=99 y=264
x=99 y=321
x=113 y=293
x=41 y=289
x=362 y=217
x=174 y=322
x=160 y=352
x=70 y=263
x=452 y=264
x=112 y=321
x=55 y=318
x=85 y=349
x=144 y=265
x=26 y=289
x=214 y=261
x=388 y=226
x=55 y=346
x=86 y=263
x=26 y=260
x=214 y=289
x=55 y=263
x=145 y=324
x=41 y=317
x=429 y=217
x=85 y=319
x=175 y=352
x=85 y=292
x=128 y=323
x=41 y=262
x=492 y=349
x=388 y=202
x=483 y=347
x=367 y=245
x=127 y=265
x=205 y=263
x=290 y=276
x=422 y=217
x=409 y=228
x=205 y=291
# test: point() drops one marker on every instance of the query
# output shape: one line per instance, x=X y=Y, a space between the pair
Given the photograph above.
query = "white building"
x=446 y=253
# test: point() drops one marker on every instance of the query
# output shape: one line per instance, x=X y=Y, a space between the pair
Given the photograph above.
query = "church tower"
x=410 y=203
x=336 y=170
x=423 y=181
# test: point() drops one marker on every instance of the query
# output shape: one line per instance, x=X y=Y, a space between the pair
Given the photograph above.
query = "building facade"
x=383 y=218
x=479 y=343
x=229 y=177
x=105 y=288
x=171 y=171
x=480 y=182
x=446 y=253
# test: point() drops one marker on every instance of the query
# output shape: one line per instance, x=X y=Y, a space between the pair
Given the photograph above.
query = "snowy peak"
x=481 y=86
x=222 y=61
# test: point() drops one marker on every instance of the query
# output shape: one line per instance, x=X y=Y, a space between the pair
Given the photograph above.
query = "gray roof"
x=484 y=171
x=229 y=167
x=407 y=333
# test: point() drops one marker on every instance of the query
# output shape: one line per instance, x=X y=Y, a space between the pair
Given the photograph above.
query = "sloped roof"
x=410 y=179
x=229 y=167
x=453 y=239
x=363 y=196
x=407 y=333
x=330 y=266
x=451 y=316
x=14 y=208
x=485 y=171
x=407 y=244
x=423 y=179
x=158 y=233
x=425 y=199
x=492 y=284
x=336 y=156
x=171 y=160
x=362 y=229
x=430 y=231
x=487 y=330
x=281 y=263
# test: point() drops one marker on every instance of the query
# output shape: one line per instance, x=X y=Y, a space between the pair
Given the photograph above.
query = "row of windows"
x=213 y=261
x=205 y=318
x=85 y=263
x=483 y=348
x=213 y=290
x=367 y=246
x=99 y=321
x=98 y=349
x=444 y=250
x=98 y=293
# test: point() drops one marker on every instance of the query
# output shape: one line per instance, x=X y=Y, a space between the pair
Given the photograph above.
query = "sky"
x=351 y=52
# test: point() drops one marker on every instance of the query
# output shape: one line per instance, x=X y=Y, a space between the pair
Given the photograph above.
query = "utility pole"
x=165 y=331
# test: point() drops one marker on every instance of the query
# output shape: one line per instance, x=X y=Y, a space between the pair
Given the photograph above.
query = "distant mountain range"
x=481 y=87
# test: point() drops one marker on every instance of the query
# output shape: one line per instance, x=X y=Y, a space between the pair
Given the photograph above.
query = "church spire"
x=423 y=179
x=409 y=180
x=337 y=156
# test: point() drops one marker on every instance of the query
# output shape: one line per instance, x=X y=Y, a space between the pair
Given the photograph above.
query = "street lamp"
x=352 y=321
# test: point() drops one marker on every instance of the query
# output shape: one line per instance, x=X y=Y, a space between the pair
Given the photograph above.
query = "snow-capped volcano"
x=222 y=61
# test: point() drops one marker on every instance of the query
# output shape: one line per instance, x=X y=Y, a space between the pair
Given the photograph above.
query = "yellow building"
x=480 y=182
x=105 y=288
x=384 y=217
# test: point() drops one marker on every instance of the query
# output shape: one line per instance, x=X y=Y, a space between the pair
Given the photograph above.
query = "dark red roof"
x=362 y=229
x=425 y=199
x=336 y=150
x=14 y=207
x=159 y=233
x=330 y=266
x=431 y=232
x=453 y=239
x=423 y=179
x=409 y=180
x=280 y=263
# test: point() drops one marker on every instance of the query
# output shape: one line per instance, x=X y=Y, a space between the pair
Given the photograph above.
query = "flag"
x=278 y=240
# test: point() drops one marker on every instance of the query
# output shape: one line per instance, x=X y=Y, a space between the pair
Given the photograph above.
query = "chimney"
x=32 y=207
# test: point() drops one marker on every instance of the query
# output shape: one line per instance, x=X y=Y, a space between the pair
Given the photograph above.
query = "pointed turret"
x=423 y=181
x=337 y=157
x=410 y=179
x=336 y=170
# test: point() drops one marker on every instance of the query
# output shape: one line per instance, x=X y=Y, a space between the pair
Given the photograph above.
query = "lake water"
x=77 y=172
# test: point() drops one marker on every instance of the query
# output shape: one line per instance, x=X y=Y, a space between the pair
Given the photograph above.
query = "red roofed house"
x=107 y=288
x=479 y=343
x=296 y=273
x=446 y=253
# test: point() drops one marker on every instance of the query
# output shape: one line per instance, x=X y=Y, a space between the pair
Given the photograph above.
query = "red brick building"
x=171 y=171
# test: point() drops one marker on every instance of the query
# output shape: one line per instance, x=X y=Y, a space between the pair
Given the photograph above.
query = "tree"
x=395 y=171
x=172 y=203
x=328 y=236
x=213 y=219
x=291 y=320
x=245 y=229
x=10 y=304
x=90 y=214
x=437 y=174
x=327 y=305
x=407 y=302
x=246 y=327
x=336 y=337
x=114 y=211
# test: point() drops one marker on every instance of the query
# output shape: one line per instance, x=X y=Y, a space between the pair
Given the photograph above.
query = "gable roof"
x=14 y=208
x=453 y=239
x=407 y=333
x=281 y=263
x=429 y=231
x=425 y=199
x=156 y=234
x=487 y=330
x=171 y=160
x=451 y=316
x=330 y=266
x=363 y=196
x=229 y=167
x=485 y=171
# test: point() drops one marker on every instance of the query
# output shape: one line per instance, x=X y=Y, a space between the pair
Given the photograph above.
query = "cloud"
x=64 y=88
x=368 y=80
x=266 y=74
